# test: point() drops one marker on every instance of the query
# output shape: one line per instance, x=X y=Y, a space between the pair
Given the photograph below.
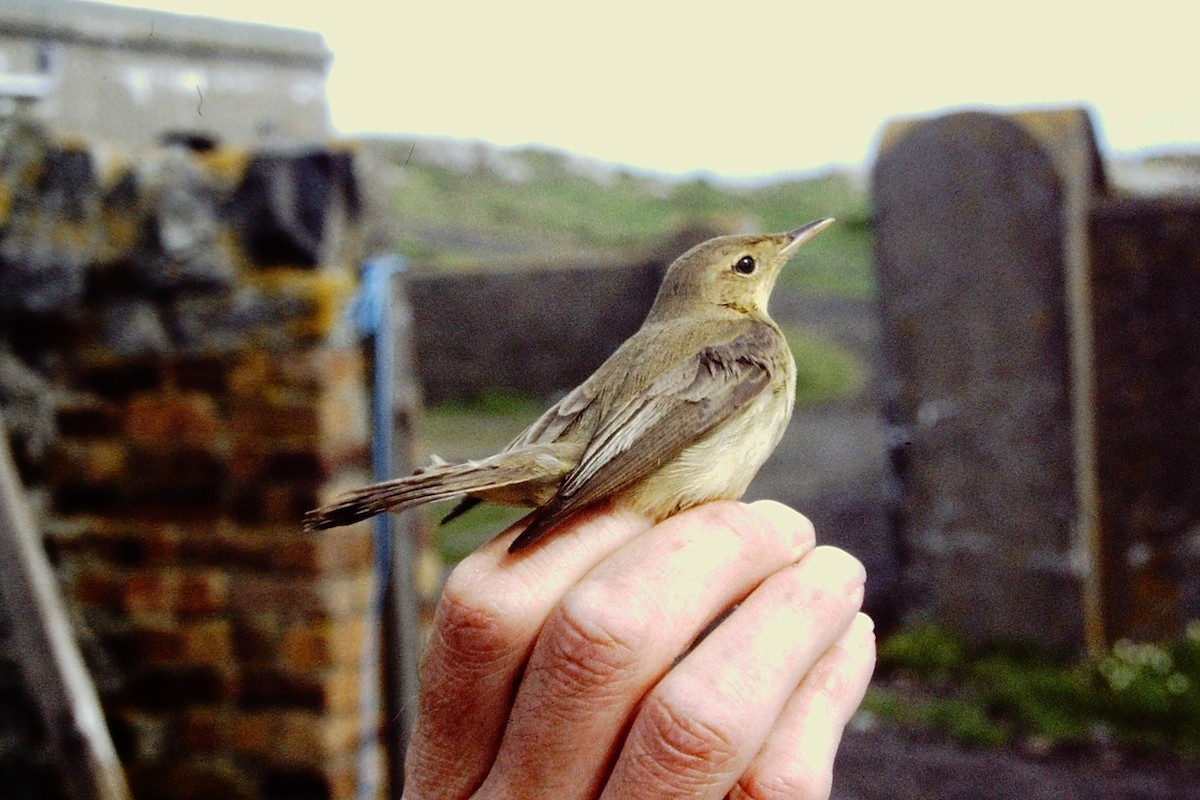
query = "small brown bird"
x=685 y=411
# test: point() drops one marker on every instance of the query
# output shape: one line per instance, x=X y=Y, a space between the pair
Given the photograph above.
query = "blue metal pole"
x=372 y=314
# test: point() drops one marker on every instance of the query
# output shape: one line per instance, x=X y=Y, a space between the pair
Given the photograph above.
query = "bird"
x=684 y=412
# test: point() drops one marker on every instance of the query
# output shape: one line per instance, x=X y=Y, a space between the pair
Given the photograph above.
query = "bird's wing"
x=558 y=419
x=646 y=431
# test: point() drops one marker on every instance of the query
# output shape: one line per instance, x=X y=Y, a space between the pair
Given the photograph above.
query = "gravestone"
x=979 y=242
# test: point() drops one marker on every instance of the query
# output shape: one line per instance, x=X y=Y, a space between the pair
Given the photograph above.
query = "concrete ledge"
x=144 y=29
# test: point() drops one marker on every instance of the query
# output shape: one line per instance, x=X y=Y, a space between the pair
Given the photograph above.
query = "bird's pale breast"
x=721 y=465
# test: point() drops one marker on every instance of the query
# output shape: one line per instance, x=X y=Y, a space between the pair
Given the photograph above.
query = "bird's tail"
x=538 y=465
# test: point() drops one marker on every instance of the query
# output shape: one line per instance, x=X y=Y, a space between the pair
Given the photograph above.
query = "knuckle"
x=592 y=640
x=828 y=681
x=469 y=625
x=792 y=786
x=763 y=526
x=686 y=746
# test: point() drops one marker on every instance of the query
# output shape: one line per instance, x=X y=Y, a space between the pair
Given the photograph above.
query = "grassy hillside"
x=457 y=205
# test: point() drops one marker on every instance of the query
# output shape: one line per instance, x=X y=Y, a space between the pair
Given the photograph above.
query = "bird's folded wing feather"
x=646 y=431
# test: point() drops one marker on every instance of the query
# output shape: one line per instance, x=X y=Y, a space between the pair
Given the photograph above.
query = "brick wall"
x=181 y=387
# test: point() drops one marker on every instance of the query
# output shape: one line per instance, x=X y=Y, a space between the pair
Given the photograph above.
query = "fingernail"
x=788 y=522
x=834 y=563
x=860 y=634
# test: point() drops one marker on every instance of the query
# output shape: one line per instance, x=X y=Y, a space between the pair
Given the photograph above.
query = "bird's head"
x=730 y=272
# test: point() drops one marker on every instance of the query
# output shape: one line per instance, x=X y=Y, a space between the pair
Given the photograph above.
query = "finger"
x=486 y=620
x=699 y=728
x=796 y=763
x=617 y=632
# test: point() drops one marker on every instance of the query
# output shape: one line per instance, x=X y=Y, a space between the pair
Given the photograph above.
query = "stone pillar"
x=979 y=223
x=199 y=391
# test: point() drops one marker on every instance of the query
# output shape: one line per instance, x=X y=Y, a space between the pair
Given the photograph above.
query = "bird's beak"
x=803 y=234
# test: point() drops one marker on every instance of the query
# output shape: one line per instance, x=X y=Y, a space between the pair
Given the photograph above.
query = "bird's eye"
x=745 y=265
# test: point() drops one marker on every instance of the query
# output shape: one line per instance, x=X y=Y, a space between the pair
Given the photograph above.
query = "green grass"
x=824 y=369
x=459 y=431
x=1139 y=695
x=447 y=219
x=458 y=538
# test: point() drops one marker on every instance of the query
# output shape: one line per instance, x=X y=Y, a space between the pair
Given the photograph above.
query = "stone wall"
x=538 y=331
x=1146 y=277
x=1041 y=344
x=181 y=387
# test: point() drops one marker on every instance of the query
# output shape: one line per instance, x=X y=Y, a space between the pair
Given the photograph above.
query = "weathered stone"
x=117 y=380
x=87 y=417
x=166 y=422
x=161 y=688
x=132 y=326
x=184 y=245
x=193 y=779
x=26 y=399
x=202 y=323
x=299 y=783
x=1146 y=288
x=287 y=206
x=48 y=241
x=970 y=256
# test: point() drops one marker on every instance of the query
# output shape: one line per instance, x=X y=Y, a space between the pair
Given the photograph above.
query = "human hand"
x=565 y=672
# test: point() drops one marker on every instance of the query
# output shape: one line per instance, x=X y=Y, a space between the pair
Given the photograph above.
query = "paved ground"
x=883 y=764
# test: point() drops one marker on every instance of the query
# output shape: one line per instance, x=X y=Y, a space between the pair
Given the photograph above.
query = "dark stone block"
x=225 y=552
x=88 y=420
x=281 y=501
x=1146 y=286
x=169 y=687
x=282 y=206
x=207 y=374
x=45 y=247
x=177 y=480
x=191 y=778
x=118 y=380
x=73 y=498
x=272 y=689
x=299 y=465
x=296 y=783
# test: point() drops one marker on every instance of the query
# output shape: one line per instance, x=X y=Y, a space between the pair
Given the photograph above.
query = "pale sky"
x=756 y=87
